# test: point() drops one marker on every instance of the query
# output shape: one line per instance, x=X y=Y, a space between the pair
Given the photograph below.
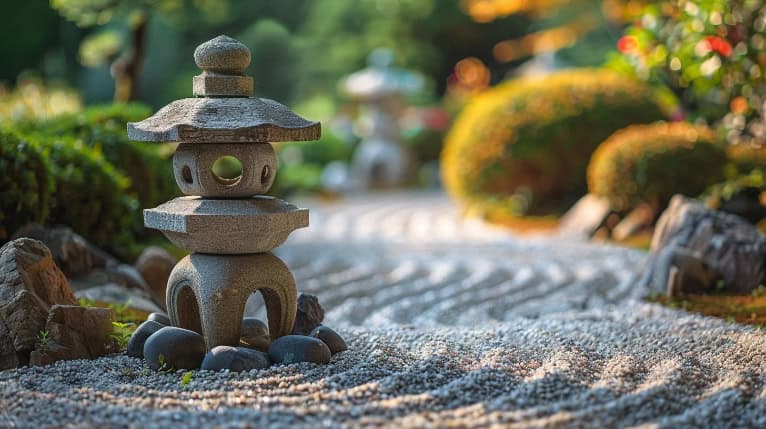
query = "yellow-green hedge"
x=534 y=136
x=651 y=163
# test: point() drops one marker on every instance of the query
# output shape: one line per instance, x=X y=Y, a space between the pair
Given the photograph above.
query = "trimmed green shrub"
x=744 y=158
x=90 y=195
x=25 y=184
x=104 y=128
x=528 y=141
x=651 y=163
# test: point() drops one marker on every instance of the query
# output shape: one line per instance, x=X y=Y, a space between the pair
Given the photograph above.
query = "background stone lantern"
x=226 y=223
x=381 y=160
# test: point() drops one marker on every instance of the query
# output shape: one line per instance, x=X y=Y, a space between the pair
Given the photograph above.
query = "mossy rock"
x=528 y=141
x=651 y=163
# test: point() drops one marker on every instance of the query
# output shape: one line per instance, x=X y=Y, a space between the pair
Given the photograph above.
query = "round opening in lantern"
x=227 y=170
x=186 y=174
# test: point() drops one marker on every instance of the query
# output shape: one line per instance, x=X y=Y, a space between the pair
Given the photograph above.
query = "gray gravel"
x=464 y=328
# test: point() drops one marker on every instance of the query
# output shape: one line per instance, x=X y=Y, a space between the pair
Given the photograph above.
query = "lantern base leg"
x=207 y=294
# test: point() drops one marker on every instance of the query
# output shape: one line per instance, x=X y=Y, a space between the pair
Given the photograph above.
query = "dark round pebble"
x=255 y=334
x=137 y=340
x=180 y=349
x=299 y=348
x=333 y=340
x=235 y=359
x=159 y=318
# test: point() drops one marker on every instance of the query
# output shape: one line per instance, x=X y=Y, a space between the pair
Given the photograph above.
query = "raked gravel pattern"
x=449 y=323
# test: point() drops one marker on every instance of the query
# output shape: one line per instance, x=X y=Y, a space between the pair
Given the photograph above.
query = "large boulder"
x=74 y=255
x=30 y=283
x=74 y=332
x=696 y=250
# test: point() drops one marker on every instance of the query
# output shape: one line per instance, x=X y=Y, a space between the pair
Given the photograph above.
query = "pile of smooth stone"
x=166 y=347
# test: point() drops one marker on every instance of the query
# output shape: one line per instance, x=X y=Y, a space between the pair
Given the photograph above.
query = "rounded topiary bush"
x=745 y=158
x=534 y=136
x=651 y=163
x=25 y=184
x=90 y=195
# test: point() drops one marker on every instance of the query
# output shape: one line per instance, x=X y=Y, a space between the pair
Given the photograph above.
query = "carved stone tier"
x=224 y=120
x=193 y=169
x=228 y=227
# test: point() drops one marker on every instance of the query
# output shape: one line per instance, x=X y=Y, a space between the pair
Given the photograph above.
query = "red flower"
x=719 y=45
x=627 y=44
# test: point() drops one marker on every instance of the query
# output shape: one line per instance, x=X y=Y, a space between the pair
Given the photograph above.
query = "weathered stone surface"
x=74 y=255
x=30 y=283
x=585 y=217
x=255 y=334
x=140 y=335
x=193 y=169
x=224 y=120
x=640 y=218
x=214 y=85
x=207 y=294
x=334 y=341
x=124 y=275
x=222 y=55
x=694 y=247
x=160 y=318
x=235 y=359
x=299 y=348
x=176 y=348
x=75 y=332
x=309 y=314
x=241 y=226
x=154 y=265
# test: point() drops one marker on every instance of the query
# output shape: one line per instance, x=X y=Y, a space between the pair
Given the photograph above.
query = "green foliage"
x=186 y=379
x=121 y=333
x=651 y=163
x=276 y=56
x=528 y=141
x=426 y=144
x=90 y=194
x=301 y=163
x=43 y=338
x=710 y=54
x=25 y=184
x=103 y=128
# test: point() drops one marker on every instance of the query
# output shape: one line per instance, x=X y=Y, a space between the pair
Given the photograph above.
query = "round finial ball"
x=222 y=55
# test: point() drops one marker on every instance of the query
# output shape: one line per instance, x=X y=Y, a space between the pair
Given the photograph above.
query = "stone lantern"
x=226 y=223
x=381 y=160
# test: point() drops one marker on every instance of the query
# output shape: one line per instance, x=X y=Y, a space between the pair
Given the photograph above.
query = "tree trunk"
x=126 y=69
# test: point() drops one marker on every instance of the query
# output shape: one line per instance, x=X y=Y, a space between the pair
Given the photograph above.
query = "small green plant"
x=42 y=336
x=121 y=333
x=164 y=365
x=186 y=379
